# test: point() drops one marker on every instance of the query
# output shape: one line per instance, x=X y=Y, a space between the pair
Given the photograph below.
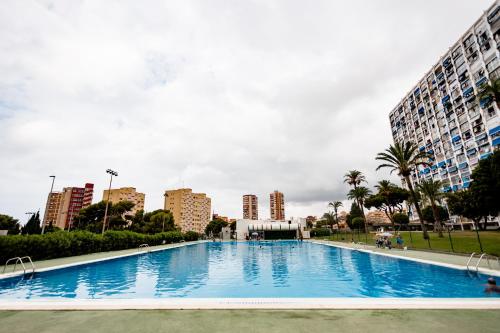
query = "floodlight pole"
x=111 y=173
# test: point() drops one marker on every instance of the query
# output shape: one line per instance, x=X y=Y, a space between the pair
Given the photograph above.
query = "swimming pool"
x=278 y=269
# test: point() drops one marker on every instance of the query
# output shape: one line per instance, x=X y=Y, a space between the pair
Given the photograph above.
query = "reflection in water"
x=249 y=269
x=250 y=262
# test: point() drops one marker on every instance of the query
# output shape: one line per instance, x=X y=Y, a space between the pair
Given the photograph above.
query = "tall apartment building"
x=191 y=211
x=63 y=206
x=54 y=201
x=277 y=206
x=250 y=207
x=125 y=194
x=443 y=114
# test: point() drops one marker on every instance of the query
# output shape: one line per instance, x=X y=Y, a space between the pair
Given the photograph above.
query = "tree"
x=485 y=185
x=428 y=214
x=215 y=226
x=91 y=217
x=405 y=159
x=329 y=218
x=353 y=213
x=431 y=191
x=401 y=219
x=335 y=205
x=10 y=224
x=358 y=222
x=389 y=199
x=359 y=194
x=465 y=203
x=160 y=221
x=354 y=178
x=33 y=226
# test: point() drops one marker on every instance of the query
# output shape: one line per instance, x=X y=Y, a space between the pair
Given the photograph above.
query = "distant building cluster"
x=63 y=206
x=276 y=206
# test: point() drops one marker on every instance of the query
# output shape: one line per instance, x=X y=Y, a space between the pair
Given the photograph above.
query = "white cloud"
x=225 y=97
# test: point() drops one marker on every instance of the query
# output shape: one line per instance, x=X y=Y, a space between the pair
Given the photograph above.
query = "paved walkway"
x=42 y=265
x=434 y=257
x=252 y=321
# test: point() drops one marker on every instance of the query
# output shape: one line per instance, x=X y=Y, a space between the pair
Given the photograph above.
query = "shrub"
x=401 y=219
x=358 y=222
x=191 y=236
x=320 y=232
x=63 y=244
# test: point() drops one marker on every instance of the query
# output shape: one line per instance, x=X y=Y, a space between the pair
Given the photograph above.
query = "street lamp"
x=111 y=173
x=48 y=201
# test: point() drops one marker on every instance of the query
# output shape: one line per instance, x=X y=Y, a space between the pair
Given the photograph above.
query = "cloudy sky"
x=224 y=97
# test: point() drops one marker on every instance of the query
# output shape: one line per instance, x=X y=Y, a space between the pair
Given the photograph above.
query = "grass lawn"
x=463 y=241
x=277 y=321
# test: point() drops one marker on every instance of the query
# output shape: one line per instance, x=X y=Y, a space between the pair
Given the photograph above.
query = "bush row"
x=320 y=232
x=64 y=244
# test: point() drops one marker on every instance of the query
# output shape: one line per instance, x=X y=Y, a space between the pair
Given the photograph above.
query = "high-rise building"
x=250 y=207
x=53 y=205
x=125 y=194
x=443 y=115
x=277 y=206
x=63 y=206
x=191 y=211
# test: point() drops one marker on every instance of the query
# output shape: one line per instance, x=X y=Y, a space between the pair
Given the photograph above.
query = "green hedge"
x=64 y=244
x=320 y=232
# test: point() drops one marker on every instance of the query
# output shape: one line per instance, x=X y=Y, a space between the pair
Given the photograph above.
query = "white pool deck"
x=447 y=260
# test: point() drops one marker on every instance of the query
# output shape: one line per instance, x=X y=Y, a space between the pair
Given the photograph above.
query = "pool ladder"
x=144 y=246
x=20 y=260
x=481 y=258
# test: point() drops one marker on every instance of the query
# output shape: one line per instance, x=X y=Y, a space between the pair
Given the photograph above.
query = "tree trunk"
x=437 y=221
x=417 y=207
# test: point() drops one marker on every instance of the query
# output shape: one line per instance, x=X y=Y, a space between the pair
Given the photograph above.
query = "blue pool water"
x=265 y=269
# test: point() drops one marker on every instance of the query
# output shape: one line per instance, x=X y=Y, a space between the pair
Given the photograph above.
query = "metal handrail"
x=31 y=262
x=146 y=246
x=19 y=260
x=470 y=258
x=487 y=259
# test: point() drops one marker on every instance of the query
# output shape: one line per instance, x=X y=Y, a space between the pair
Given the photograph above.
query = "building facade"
x=52 y=208
x=191 y=211
x=250 y=207
x=277 y=206
x=126 y=194
x=63 y=206
x=443 y=115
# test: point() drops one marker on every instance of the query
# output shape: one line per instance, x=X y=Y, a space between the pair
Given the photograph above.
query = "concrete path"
x=43 y=265
x=460 y=261
x=251 y=321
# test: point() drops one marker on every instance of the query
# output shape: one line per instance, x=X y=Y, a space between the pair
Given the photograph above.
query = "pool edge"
x=253 y=303
x=422 y=261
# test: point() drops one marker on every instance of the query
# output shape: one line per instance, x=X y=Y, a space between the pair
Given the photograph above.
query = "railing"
x=144 y=246
x=483 y=255
x=20 y=260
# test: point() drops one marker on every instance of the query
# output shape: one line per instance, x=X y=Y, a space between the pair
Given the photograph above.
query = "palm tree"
x=359 y=194
x=354 y=178
x=491 y=90
x=329 y=218
x=431 y=190
x=384 y=186
x=405 y=158
x=335 y=205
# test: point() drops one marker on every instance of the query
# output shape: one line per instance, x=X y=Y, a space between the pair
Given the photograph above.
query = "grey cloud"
x=225 y=97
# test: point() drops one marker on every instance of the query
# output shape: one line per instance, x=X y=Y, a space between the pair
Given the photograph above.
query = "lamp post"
x=48 y=201
x=111 y=173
